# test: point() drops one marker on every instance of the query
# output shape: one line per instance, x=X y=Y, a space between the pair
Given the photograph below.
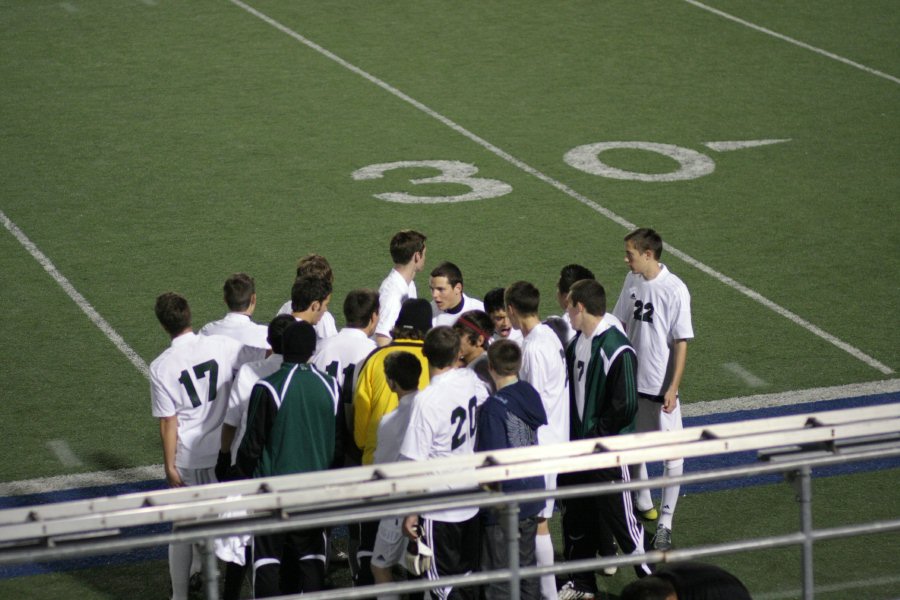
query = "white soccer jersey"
x=440 y=317
x=514 y=336
x=582 y=359
x=325 y=328
x=239 y=327
x=442 y=424
x=656 y=312
x=239 y=398
x=544 y=367
x=339 y=354
x=192 y=380
x=391 y=430
x=392 y=293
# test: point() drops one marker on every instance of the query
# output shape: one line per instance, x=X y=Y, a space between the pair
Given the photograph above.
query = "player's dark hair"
x=173 y=312
x=591 y=294
x=450 y=271
x=404 y=369
x=505 y=357
x=493 y=301
x=359 y=306
x=646 y=239
x=441 y=347
x=524 y=297
x=298 y=342
x=239 y=289
x=474 y=323
x=648 y=588
x=315 y=265
x=276 y=328
x=570 y=274
x=405 y=244
x=308 y=289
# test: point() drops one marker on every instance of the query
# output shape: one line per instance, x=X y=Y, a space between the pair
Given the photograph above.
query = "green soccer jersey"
x=290 y=424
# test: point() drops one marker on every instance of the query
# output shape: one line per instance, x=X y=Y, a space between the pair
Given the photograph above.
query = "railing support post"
x=512 y=545
x=803 y=484
x=210 y=569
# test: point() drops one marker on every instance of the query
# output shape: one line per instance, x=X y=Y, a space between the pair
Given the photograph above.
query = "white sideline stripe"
x=859 y=354
x=833 y=587
x=728 y=405
x=744 y=375
x=793 y=41
x=155 y=472
x=81 y=480
x=80 y=300
x=64 y=453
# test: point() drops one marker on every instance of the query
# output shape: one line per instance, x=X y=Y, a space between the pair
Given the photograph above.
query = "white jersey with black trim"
x=544 y=367
x=240 y=327
x=391 y=430
x=656 y=312
x=392 y=293
x=442 y=424
x=339 y=354
x=239 y=398
x=191 y=380
x=325 y=328
x=440 y=317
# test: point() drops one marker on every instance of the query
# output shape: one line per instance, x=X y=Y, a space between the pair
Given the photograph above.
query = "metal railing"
x=793 y=445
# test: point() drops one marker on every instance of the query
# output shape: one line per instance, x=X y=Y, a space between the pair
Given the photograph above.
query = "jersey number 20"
x=458 y=418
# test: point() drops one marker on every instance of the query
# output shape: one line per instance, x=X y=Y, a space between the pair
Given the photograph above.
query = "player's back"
x=239 y=327
x=192 y=380
x=544 y=367
x=338 y=355
x=443 y=424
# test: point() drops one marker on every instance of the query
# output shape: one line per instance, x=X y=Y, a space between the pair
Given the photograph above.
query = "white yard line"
x=155 y=472
x=76 y=297
x=793 y=41
x=796 y=319
x=742 y=373
x=64 y=453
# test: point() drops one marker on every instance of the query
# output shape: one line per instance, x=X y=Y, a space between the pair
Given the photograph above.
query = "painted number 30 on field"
x=691 y=165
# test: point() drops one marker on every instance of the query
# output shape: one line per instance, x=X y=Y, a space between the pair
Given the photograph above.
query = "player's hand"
x=411 y=527
x=670 y=401
x=173 y=478
x=223 y=464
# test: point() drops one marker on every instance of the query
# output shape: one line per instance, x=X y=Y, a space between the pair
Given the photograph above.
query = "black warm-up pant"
x=590 y=523
x=289 y=562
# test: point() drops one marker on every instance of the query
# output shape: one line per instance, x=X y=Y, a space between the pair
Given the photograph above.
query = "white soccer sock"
x=543 y=550
x=642 y=498
x=180 y=569
x=670 y=494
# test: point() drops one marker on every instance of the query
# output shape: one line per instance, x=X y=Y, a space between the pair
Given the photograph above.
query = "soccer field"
x=158 y=145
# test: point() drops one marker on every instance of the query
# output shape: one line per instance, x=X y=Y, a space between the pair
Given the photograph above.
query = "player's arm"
x=621 y=391
x=260 y=420
x=679 y=360
x=168 y=432
x=362 y=407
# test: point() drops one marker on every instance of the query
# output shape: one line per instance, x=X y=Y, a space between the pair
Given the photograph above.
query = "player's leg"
x=455 y=547
x=647 y=419
x=367 y=534
x=618 y=512
x=267 y=551
x=388 y=551
x=543 y=543
x=310 y=546
x=579 y=524
x=673 y=468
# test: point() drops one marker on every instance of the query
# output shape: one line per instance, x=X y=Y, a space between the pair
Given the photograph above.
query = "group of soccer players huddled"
x=393 y=385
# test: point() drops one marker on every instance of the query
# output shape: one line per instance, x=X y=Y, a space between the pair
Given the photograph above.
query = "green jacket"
x=610 y=380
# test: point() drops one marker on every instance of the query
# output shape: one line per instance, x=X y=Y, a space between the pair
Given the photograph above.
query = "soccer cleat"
x=663 y=538
x=569 y=592
x=651 y=514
